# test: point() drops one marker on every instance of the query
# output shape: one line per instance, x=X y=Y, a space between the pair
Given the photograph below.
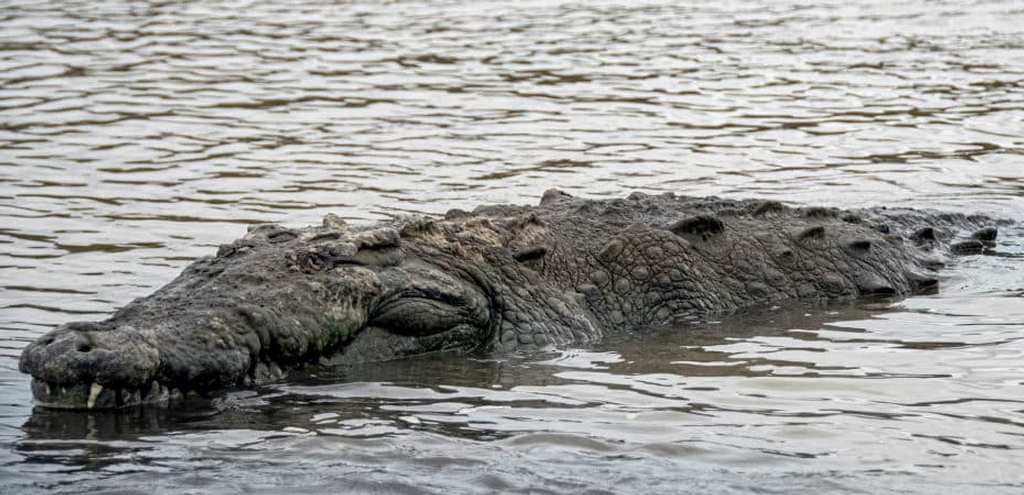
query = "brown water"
x=135 y=136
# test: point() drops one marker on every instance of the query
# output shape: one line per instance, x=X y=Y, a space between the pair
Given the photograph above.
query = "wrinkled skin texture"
x=497 y=279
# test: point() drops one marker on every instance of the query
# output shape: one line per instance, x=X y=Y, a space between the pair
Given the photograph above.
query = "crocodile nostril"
x=84 y=348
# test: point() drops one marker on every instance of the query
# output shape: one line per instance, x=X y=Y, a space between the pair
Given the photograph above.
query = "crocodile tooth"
x=94 y=392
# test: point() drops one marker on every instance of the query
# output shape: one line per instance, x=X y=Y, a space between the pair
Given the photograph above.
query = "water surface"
x=136 y=136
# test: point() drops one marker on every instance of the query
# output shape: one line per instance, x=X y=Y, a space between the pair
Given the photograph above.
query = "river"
x=137 y=136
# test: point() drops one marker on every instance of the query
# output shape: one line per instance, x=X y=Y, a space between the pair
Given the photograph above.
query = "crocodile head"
x=275 y=300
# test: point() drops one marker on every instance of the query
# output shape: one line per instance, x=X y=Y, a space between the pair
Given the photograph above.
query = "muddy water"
x=135 y=136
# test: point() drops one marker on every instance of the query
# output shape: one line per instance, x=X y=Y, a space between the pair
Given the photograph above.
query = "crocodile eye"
x=430 y=301
x=419 y=316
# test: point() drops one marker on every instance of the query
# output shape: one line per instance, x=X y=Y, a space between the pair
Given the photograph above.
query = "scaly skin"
x=497 y=279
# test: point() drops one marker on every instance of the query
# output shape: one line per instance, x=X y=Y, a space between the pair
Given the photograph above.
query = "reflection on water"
x=135 y=136
x=827 y=398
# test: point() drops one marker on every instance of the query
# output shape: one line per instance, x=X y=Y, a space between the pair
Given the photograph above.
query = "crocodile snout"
x=91 y=365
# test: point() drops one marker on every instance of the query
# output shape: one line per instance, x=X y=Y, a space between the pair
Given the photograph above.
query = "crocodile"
x=497 y=279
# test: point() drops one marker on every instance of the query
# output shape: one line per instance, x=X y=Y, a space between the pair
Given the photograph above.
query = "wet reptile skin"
x=496 y=279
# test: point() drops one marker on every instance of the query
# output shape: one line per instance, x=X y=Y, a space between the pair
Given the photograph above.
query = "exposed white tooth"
x=94 y=393
x=48 y=391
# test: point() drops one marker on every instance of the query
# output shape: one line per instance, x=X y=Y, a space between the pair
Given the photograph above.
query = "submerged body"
x=497 y=279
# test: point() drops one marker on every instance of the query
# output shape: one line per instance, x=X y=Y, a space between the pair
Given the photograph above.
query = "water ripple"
x=136 y=136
